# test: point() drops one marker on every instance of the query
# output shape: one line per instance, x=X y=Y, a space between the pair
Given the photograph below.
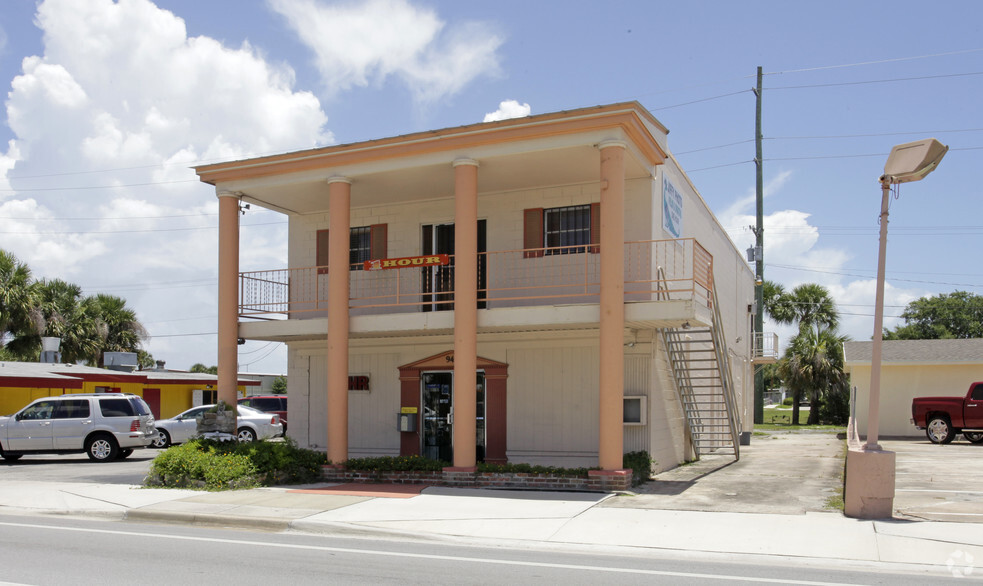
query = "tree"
x=813 y=362
x=201 y=368
x=946 y=316
x=813 y=367
x=18 y=300
x=118 y=326
x=279 y=386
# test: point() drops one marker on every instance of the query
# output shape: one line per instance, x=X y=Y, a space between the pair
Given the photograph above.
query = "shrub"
x=532 y=469
x=193 y=466
x=397 y=464
x=218 y=465
x=787 y=401
x=640 y=464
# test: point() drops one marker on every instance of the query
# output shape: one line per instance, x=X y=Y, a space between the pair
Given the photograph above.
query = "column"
x=339 y=208
x=465 y=309
x=612 y=306
x=228 y=295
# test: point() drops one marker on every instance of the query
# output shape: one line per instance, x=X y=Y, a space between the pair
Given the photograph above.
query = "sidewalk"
x=648 y=519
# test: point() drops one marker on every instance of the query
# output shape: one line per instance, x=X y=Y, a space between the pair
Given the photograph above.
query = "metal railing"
x=765 y=348
x=676 y=269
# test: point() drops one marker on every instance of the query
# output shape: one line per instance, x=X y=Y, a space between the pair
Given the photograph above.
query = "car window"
x=39 y=410
x=978 y=393
x=72 y=409
x=117 y=407
x=140 y=407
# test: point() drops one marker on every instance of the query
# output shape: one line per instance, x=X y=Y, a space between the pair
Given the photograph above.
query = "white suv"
x=105 y=426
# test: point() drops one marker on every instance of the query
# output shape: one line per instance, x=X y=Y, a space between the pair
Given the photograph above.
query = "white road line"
x=503 y=562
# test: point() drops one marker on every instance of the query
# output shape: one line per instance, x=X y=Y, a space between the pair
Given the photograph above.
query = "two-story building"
x=549 y=289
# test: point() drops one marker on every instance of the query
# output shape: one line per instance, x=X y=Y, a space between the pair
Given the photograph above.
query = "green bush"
x=193 y=466
x=218 y=465
x=532 y=469
x=787 y=401
x=396 y=463
x=640 y=464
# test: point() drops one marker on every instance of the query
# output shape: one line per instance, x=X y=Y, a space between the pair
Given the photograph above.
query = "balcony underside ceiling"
x=556 y=318
x=305 y=193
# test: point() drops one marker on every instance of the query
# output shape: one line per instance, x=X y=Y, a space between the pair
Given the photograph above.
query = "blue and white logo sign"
x=672 y=209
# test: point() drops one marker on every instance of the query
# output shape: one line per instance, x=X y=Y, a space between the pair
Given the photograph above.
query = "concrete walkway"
x=773 y=503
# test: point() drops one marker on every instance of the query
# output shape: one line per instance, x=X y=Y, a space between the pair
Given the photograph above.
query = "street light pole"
x=870 y=471
x=873 y=411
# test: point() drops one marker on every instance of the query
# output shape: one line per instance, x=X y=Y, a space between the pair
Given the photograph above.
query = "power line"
x=862 y=63
x=843 y=83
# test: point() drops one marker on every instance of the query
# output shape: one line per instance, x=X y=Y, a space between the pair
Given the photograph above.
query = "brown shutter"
x=378 y=245
x=532 y=232
x=322 y=252
x=595 y=227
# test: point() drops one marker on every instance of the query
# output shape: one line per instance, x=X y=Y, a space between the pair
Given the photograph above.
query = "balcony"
x=666 y=283
x=765 y=350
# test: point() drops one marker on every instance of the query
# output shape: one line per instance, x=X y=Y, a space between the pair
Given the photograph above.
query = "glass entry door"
x=438 y=282
x=438 y=416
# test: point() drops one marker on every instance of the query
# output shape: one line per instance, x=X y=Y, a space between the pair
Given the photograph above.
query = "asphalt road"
x=79 y=468
x=45 y=551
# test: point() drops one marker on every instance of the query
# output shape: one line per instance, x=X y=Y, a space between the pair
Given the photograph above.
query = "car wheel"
x=939 y=430
x=10 y=457
x=102 y=448
x=161 y=440
x=973 y=437
x=246 y=435
x=124 y=453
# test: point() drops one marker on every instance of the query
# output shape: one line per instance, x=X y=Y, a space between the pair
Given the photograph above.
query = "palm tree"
x=118 y=327
x=18 y=300
x=806 y=368
x=813 y=366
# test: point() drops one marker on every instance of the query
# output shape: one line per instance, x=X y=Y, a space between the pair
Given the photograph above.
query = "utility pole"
x=759 y=260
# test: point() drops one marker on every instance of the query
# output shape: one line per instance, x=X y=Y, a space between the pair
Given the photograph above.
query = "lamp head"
x=912 y=161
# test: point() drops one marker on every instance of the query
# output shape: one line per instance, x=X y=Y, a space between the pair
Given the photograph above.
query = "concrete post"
x=465 y=310
x=228 y=296
x=339 y=226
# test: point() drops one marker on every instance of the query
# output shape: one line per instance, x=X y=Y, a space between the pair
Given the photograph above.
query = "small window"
x=364 y=243
x=567 y=229
x=635 y=409
x=977 y=393
x=359 y=247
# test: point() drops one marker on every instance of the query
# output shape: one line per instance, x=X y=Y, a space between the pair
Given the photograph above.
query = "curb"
x=208 y=519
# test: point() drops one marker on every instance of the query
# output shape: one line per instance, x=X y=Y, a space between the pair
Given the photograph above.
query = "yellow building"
x=167 y=393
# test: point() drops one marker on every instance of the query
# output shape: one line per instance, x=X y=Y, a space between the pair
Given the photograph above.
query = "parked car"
x=269 y=404
x=252 y=425
x=943 y=418
x=105 y=426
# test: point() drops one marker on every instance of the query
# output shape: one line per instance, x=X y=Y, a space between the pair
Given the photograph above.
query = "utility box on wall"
x=407 y=422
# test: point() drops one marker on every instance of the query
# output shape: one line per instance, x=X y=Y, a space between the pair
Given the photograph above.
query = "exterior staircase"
x=701 y=369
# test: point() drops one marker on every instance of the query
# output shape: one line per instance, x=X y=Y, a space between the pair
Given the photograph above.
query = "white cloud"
x=106 y=123
x=508 y=109
x=358 y=43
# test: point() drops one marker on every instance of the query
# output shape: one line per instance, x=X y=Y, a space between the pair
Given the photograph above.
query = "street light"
x=911 y=161
x=869 y=491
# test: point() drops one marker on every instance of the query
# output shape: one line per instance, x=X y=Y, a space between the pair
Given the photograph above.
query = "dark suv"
x=269 y=404
x=105 y=426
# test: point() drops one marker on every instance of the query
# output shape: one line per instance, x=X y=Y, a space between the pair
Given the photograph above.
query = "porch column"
x=612 y=306
x=228 y=295
x=465 y=309
x=339 y=209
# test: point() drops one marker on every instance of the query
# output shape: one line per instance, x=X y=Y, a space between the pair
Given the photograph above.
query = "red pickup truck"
x=943 y=418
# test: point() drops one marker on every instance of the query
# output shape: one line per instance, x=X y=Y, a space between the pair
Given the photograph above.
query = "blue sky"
x=108 y=104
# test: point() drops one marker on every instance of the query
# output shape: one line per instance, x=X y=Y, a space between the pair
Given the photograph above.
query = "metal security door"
x=437 y=415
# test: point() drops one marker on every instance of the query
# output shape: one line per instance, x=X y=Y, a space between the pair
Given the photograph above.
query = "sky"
x=108 y=104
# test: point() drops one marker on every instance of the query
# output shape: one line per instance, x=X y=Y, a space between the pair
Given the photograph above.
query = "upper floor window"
x=567 y=229
x=563 y=230
x=364 y=243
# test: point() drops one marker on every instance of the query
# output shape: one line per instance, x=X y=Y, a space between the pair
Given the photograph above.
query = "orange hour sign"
x=430 y=260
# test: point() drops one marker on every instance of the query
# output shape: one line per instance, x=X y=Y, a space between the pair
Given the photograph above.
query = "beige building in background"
x=549 y=290
x=909 y=369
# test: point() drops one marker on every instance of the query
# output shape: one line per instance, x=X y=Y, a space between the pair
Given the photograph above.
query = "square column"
x=339 y=226
x=465 y=310
x=612 y=306
x=228 y=296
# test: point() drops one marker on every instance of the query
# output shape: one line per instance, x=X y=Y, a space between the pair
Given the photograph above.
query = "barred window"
x=359 y=247
x=567 y=229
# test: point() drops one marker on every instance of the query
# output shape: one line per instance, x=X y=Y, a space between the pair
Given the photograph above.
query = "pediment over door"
x=445 y=361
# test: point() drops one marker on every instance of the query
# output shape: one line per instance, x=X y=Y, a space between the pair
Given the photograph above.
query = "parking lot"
x=938 y=482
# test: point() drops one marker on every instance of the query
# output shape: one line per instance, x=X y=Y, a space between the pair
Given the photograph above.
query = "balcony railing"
x=654 y=269
x=765 y=350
